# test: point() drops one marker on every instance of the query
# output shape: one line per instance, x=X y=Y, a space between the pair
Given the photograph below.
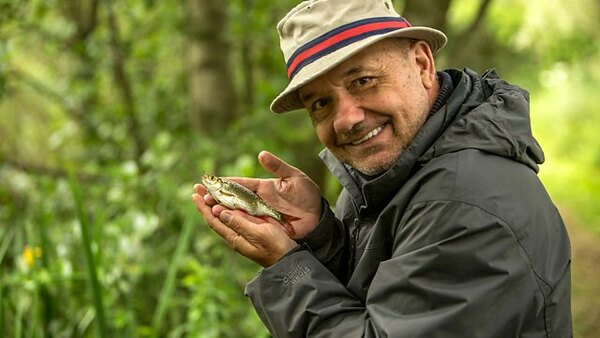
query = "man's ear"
x=424 y=59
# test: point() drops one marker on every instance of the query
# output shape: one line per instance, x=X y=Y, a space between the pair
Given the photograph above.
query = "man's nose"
x=348 y=114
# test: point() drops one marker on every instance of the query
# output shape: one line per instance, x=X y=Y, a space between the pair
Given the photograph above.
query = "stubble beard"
x=402 y=142
x=372 y=169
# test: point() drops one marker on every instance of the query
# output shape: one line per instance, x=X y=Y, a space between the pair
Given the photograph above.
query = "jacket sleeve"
x=328 y=241
x=455 y=271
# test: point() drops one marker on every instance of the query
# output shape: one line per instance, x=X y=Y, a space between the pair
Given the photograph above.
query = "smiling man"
x=443 y=228
x=367 y=110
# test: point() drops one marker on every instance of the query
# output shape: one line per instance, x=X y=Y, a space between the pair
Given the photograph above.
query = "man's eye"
x=318 y=110
x=363 y=81
x=319 y=104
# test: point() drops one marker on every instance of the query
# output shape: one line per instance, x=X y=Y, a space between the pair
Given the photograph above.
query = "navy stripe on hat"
x=341 y=37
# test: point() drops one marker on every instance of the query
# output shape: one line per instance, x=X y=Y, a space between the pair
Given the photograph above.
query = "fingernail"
x=225 y=217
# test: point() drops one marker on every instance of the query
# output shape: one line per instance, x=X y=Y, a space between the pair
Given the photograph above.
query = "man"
x=443 y=228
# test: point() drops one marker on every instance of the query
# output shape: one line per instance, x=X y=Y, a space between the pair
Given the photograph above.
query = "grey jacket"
x=458 y=239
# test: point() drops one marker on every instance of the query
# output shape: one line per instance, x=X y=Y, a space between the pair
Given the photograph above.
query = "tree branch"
x=126 y=90
x=54 y=96
x=467 y=36
x=84 y=14
x=43 y=89
x=246 y=51
x=432 y=13
x=32 y=168
x=476 y=23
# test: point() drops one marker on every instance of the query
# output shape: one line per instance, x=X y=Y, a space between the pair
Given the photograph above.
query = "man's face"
x=368 y=109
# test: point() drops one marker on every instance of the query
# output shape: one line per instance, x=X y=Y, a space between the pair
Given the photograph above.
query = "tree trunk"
x=210 y=85
x=247 y=57
x=430 y=13
x=473 y=41
x=124 y=83
x=463 y=45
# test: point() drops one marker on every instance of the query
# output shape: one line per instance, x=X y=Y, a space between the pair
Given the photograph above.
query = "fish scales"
x=235 y=196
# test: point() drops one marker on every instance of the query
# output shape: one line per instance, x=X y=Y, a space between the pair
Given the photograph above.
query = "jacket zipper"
x=354 y=238
x=353 y=241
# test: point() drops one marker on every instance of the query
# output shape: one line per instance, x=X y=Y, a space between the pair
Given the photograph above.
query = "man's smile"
x=368 y=136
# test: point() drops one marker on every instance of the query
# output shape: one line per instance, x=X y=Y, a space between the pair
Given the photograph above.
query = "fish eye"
x=209 y=178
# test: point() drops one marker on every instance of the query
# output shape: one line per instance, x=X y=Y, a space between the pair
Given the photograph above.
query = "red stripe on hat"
x=344 y=35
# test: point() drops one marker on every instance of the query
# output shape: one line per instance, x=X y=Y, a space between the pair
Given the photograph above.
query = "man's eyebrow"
x=306 y=97
x=350 y=72
x=353 y=71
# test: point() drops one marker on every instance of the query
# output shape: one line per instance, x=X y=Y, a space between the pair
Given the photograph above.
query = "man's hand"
x=293 y=193
x=265 y=240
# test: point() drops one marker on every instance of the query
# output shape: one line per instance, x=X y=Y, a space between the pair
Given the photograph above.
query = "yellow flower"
x=30 y=254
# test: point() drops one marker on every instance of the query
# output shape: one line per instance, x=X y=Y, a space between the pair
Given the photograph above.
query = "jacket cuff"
x=321 y=235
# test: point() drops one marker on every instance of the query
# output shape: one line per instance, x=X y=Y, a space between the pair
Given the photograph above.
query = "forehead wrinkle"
x=352 y=71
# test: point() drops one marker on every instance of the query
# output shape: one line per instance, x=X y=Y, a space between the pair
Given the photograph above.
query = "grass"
x=169 y=286
x=585 y=277
x=101 y=326
x=3 y=249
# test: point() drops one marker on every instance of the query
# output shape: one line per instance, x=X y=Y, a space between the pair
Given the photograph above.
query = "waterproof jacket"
x=458 y=239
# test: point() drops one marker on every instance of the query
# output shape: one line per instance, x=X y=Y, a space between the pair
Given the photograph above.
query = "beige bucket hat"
x=317 y=35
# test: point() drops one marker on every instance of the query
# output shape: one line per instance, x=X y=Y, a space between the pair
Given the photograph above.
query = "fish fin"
x=289 y=229
x=227 y=194
x=284 y=221
x=288 y=218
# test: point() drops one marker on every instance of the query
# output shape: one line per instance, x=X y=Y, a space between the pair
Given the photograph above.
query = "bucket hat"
x=317 y=35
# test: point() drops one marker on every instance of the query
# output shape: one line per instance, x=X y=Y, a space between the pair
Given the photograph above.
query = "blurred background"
x=111 y=110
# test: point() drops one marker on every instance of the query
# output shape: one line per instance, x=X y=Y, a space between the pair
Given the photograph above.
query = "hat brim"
x=289 y=99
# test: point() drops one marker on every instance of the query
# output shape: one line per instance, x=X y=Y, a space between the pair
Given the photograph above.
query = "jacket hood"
x=483 y=112
x=490 y=115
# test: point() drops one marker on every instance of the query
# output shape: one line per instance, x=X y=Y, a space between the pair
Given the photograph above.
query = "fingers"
x=277 y=166
x=202 y=206
x=263 y=242
x=213 y=219
x=201 y=190
x=252 y=237
x=234 y=232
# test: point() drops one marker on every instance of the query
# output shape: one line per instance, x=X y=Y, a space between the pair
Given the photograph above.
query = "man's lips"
x=368 y=136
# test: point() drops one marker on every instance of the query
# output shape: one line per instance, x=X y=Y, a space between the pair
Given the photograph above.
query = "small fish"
x=236 y=196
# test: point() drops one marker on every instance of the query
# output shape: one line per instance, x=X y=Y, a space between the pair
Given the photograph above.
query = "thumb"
x=277 y=166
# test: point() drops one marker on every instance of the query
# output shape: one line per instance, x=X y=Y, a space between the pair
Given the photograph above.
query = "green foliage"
x=90 y=260
x=568 y=119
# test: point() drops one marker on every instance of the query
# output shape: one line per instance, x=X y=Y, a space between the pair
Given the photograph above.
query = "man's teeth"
x=371 y=134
